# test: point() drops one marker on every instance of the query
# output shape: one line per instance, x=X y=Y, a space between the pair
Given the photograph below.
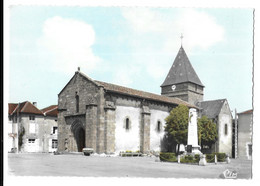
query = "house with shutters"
x=245 y=134
x=31 y=129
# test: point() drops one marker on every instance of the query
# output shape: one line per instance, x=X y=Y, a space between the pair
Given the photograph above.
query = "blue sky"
x=133 y=47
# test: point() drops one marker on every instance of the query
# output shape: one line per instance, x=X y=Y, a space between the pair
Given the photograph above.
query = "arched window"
x=158 y=127
x=226 y=129
x=127 y=124
x=77 y=103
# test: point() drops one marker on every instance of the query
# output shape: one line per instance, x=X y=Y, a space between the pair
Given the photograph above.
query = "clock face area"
x=173 y=87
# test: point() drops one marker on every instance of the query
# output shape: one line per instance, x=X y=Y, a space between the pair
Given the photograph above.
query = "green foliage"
x=197 y=157
x=20 y=137
x=207 y=131
x=190 y=159
x=177 y=124
x=210 y=158
x=168 y=156
x=221 y=157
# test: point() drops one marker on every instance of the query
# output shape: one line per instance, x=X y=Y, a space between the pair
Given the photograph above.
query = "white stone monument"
x=193 y=132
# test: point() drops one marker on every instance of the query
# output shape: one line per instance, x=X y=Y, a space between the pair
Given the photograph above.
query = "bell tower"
x=182 y=81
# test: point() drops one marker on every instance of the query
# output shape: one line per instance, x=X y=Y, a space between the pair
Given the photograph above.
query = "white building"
x=31 y=129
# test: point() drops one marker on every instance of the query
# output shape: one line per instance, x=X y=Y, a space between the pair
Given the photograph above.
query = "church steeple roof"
x=181 y=71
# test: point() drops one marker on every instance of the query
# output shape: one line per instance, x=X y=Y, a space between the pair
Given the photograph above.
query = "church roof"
x=141 y=94
x=181 y=71
x=211 y=108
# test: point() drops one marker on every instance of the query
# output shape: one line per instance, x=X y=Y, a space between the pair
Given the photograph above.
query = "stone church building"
x=110 y=118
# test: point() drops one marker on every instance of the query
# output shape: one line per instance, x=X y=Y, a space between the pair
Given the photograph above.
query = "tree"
x=208 y=134
x=177 y=125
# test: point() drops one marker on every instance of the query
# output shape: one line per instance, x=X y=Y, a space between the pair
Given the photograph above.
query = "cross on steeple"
x=181 y=38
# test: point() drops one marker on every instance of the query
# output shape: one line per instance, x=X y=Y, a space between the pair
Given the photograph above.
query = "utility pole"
x=18 y=127
x=236 y=134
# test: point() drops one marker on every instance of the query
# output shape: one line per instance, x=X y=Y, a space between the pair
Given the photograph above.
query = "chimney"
x=34 y=103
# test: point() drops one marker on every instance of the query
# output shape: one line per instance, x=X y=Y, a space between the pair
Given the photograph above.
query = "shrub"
x=188 y=159
x=210 y=158
x=197 y=157
x=221 y=157
x=168 y=156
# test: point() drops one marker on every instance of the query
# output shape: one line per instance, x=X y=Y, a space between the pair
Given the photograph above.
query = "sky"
x=129 y=46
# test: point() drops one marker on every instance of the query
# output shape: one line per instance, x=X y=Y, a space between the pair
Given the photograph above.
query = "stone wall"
x=89 y=106
x=105 y=116
x=189 y=92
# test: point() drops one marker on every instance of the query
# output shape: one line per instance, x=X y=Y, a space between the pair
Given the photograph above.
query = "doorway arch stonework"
x=78 y=131
x=76 y=140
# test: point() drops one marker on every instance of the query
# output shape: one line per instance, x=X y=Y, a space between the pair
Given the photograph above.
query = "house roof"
x=181 y=71
x=211 y=108
x=26 y=107
x=11 y=107
x=50 y=110
x=247 y=112
x=141 y=94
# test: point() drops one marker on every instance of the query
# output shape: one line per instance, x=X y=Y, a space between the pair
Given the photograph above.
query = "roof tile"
x=211 y=108
x=181 y=71
x=141 y=94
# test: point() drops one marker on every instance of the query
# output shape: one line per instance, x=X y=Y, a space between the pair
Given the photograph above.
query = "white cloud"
x=125 y=75
x=69 y=41
x=199 y=29
x=143 y=20
x=157 y=34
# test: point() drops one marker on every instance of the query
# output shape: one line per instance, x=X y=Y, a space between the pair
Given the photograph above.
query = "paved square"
x=98 y=166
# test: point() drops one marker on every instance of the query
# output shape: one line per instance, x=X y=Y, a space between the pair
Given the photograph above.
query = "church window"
x=226 y=129
x=127 y=124
x=77 y=103
x=158 y=127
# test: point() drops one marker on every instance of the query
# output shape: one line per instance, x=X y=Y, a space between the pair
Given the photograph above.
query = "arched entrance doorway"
x=79 y=134
x=81 y=139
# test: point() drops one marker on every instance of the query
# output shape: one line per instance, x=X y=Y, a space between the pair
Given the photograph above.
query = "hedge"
x=168 y=156
x=210 y=158
x=190 y=159
x=221 y=157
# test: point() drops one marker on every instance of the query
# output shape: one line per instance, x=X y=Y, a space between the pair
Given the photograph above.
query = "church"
x=110 y=118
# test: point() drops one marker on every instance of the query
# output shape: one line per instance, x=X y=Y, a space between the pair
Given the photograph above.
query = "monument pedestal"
x=193 y=149
x=192 y=142
x=196 y=150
